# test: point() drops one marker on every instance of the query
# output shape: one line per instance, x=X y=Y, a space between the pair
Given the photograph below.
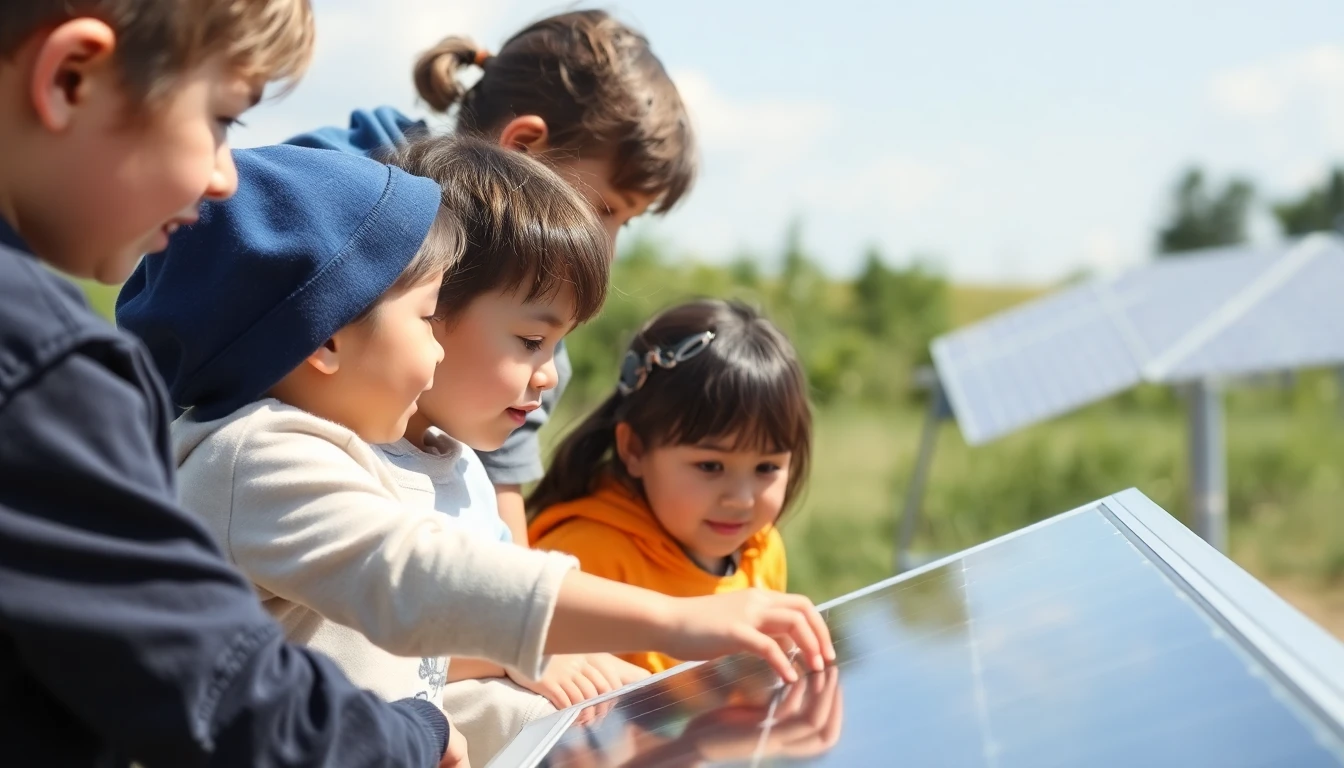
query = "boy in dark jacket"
x=124 y=635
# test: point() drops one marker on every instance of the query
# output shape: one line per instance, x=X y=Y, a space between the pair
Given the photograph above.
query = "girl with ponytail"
x=677 y=482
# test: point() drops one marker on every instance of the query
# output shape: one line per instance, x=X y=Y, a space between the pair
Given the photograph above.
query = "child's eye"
x=532 y=345
x=709 y=466
x=228 y=123
x=767 y=468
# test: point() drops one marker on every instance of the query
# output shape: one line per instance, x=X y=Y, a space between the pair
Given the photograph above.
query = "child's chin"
x=487 y=445
x=391 y=435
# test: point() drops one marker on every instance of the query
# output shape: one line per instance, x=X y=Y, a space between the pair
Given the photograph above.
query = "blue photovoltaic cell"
x=1067 y=645
x=1222 y=312
x=1296 y=325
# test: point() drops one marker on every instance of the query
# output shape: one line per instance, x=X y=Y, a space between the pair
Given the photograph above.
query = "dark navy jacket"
x=124 y=633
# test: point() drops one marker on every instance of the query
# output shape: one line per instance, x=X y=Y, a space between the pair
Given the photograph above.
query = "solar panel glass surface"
x=1070 y=644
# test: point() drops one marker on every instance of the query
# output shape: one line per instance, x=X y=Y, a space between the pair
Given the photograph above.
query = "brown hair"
x=746 y=384
x=524 y=228
x=157 y=40
x=438 y=256
x=594 y=81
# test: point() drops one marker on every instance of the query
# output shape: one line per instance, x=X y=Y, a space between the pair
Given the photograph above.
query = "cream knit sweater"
x=354 y=565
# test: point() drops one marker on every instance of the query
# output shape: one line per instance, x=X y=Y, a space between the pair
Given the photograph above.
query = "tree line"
x=862 y=338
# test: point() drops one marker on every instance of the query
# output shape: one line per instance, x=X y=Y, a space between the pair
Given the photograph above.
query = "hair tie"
x=635 y=368
x=482 y=56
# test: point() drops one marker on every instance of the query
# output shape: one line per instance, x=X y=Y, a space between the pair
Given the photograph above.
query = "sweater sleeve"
x=311 y=524
x=119 y=606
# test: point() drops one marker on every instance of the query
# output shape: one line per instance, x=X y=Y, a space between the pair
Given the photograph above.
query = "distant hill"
x=970 y=303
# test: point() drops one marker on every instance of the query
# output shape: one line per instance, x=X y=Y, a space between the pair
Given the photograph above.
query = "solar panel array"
x=1073 y=643
x=1225 y=312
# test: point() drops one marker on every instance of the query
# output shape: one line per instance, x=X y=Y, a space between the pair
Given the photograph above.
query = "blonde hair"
x=158 y=40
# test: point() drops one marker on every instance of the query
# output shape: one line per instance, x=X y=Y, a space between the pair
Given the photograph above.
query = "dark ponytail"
x=580 y=459
x=437 y=69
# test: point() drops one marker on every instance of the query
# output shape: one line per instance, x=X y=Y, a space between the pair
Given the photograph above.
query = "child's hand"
x=768 y=624
x=576 y=678
x=456 y=755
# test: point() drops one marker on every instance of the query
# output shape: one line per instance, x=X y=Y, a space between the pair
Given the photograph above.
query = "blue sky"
x=1007 y=142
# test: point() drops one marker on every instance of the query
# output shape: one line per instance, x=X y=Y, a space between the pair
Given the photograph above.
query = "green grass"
x=103 y=298
x=1285 y=476
x=1285 y=469
x=969 y=303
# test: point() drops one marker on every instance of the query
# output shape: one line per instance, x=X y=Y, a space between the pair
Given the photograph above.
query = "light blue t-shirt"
x=462 y=490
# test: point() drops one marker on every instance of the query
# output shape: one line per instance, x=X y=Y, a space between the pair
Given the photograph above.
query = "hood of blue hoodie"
x=370 y=132
x=239 y=299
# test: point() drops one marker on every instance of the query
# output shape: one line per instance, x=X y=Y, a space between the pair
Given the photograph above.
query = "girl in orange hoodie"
x=676 y=483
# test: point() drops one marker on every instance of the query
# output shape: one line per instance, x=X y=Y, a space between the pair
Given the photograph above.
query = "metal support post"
x=1208 y=463
x=914 y=494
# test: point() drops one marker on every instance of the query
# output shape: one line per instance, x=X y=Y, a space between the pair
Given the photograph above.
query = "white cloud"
x=1246 y=92
x=1103 y=251
x=1300 y=89
x=887 y=183
x=765 y=135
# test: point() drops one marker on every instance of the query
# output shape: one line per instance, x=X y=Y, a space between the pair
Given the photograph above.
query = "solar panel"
x=1297 y=324
x=1108 y=636
x=1224 y=312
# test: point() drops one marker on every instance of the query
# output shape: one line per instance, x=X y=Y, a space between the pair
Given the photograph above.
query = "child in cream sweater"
x=294 y=324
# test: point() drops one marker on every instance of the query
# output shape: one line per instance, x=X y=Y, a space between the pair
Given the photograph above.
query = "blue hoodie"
x=124 y=633
x=370 y=132
x=238 y=300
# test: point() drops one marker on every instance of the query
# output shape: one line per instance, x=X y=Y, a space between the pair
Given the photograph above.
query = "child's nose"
x=545 y=377
x=740 y=495
x=224 y=178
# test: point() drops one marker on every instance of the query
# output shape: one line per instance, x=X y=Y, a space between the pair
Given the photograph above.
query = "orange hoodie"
x=614 y=534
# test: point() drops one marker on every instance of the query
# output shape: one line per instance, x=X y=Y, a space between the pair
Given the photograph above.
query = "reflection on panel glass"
x=1064 y=646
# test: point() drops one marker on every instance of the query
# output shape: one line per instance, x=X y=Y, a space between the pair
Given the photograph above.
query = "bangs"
x=740 y=399
x=271 y=40
x=550 y=259
x=526 y=231
x=741 y=396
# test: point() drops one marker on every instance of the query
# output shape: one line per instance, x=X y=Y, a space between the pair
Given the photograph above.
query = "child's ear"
x=67 y=63
x=526 y=133
x=327 y=358
x=630 y=450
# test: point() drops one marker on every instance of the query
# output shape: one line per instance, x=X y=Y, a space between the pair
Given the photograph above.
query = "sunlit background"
x=875 y=174
x=1008 y=142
